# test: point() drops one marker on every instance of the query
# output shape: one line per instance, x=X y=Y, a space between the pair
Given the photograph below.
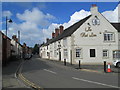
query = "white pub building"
x=92 y=40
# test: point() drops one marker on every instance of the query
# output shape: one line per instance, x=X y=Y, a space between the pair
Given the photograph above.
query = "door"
x=59 y=56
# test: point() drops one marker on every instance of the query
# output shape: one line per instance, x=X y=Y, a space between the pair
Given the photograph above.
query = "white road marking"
x=95 y=82
x=50 y=71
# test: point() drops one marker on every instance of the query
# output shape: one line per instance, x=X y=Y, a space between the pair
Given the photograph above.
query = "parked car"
x=28 y=56
x=116 y=63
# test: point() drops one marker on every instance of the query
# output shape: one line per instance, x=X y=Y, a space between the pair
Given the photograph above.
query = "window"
x=78 y=52
x=65 y=53
x=96 y=21
x=116 y=54
x=92 y=52
x=65 y=42
x=105 y=53
x=108 y=37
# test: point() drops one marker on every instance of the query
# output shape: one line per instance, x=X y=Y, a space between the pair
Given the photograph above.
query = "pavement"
x=90 y=68
x=8 y=76
x=53 y=74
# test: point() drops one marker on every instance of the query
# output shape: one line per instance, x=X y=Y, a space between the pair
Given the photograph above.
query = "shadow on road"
x=34 y=64
x=11 y=67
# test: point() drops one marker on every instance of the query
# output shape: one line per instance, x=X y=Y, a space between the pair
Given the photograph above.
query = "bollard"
x=65 y=62
x=104 y=66
x=79 y=65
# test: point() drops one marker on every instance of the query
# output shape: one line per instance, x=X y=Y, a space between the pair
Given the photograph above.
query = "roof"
x=68 y=31
x=116 y=26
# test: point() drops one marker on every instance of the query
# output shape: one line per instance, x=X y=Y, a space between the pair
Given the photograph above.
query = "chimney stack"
x=47 y=39
x=56 y=32
x=61 y=29
x=53 y=35
x=94 y=9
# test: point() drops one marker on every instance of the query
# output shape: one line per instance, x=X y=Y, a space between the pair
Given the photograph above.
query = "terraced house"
x=92 y=40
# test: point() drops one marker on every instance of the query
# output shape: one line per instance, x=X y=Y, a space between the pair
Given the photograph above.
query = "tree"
x=36 y=49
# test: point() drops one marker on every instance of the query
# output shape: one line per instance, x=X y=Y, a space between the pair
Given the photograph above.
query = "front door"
x=59 y=56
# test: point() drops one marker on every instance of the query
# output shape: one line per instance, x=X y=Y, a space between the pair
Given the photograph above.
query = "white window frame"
x=110 y=36
x=105 y=53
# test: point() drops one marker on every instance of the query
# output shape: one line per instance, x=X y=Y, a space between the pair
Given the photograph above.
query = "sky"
x=37 y=20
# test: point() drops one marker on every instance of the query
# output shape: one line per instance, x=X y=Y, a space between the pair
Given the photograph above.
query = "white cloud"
x=6 y=13
x=33 y=19
x=35 y=16
x=73 y=19
x=111 y=16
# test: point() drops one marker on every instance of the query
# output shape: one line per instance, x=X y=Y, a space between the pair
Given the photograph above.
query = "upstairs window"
x=108 y=36
x=65 y=42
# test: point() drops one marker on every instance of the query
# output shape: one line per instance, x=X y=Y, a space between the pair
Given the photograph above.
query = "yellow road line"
x=29 y=82
x=90 y=70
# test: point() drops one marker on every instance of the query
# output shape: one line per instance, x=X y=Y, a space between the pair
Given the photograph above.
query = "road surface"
x=48 y=74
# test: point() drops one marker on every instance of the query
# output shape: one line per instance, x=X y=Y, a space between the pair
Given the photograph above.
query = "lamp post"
x=18 y=44
x=10 y=21
x=7 y=20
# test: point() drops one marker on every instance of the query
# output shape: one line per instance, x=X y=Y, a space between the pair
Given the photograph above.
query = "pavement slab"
x=8 y=76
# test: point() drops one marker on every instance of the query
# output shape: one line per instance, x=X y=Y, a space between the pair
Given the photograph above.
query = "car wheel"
x=118 y=65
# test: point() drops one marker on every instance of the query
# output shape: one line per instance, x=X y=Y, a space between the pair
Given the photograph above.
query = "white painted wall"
x=87 y=43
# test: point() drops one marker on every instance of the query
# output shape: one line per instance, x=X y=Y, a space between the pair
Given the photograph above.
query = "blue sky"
x=53 y=12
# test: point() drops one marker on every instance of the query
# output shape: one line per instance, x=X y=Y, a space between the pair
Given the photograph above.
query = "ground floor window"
x=92 y=52
x=105 y=53
x=116 y=54
x=65 y=53
x=78 y=52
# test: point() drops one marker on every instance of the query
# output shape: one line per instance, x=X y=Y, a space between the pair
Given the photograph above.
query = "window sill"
x=105 y=57
x=108 y=41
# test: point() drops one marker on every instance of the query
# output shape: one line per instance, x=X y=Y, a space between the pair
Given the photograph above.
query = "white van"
x=116 y=63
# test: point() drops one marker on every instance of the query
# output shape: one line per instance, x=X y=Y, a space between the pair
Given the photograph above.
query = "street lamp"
x=10 y=21
x=7 y=20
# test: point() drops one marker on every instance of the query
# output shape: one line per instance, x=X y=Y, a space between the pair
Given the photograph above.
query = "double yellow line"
x=31 y=84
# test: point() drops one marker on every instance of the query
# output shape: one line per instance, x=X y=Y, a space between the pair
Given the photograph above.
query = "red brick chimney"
x=94 y=9
x=61 y=29
x=94 y=5
x=53 y=35
x=56 y=32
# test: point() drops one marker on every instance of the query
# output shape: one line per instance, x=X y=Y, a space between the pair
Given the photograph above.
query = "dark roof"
x=116 y=26
x=68 y=31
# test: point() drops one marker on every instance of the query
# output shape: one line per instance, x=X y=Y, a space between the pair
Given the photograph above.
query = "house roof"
x=68 y=31
x=116 y=26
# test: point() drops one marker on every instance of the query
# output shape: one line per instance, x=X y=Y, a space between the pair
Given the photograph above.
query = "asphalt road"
x=48 y=74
